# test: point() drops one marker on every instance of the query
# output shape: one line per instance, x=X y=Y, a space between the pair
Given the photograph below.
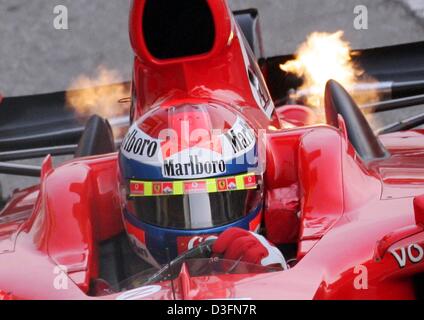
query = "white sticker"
x=256 y=79
x=139 y=146
x=197 y=161
x=413 y=253
x=196 y=241
x=239 y=140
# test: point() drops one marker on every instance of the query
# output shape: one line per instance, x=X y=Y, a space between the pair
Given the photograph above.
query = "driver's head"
x=187 y=173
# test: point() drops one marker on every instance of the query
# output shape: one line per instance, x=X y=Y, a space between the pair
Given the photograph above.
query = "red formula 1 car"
x=348 y=204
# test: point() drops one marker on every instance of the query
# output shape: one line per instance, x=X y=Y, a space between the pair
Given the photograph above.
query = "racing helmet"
x=187 y=173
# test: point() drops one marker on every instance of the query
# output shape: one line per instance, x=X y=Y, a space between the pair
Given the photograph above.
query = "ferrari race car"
x=342 y=201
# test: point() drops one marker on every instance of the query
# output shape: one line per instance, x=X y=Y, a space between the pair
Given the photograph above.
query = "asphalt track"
x=35 y=57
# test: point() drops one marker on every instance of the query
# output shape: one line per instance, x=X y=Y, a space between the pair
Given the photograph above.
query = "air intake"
x=175 y=29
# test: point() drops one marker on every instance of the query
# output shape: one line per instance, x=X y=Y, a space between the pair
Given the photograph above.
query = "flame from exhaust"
x=100 y=94
x=322 y=57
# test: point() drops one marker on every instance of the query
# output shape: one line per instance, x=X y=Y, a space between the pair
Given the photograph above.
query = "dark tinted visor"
x=197 y=204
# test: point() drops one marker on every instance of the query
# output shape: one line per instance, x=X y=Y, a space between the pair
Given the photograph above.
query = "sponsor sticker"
x=157 y=188
x=232 y=184
x=257 y=82
x=148 y=188
x=227 y=184
x=250 y=182
x=137 y=238
x=202 y=160
x=139 y=146
x=137 y=188
x=239 y=140
x=187 y=243
x=260 y=93
x=195 y=187
x=413 y=253
x=222 y=184
x=193 y=167
x=168 y=188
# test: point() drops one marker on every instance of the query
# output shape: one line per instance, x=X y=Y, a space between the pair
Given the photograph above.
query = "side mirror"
x=97 y=138
x=339 y=102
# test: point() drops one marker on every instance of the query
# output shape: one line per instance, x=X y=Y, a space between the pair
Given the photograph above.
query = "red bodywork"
x=359 y=233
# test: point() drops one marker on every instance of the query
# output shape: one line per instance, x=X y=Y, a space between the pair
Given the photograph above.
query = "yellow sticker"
x=174 y=188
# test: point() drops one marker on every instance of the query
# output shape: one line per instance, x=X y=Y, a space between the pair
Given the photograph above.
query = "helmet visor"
x=198 y=204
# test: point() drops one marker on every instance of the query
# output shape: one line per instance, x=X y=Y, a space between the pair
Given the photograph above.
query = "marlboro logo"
x=241 y=138
x=137 y=143
x=202 y=156
x=193 y=168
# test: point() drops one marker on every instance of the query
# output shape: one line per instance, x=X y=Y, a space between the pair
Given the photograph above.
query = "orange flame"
x=100 y=94
x=322 y=57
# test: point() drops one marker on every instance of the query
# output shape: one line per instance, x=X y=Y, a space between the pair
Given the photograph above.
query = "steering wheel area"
x=202 y=251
